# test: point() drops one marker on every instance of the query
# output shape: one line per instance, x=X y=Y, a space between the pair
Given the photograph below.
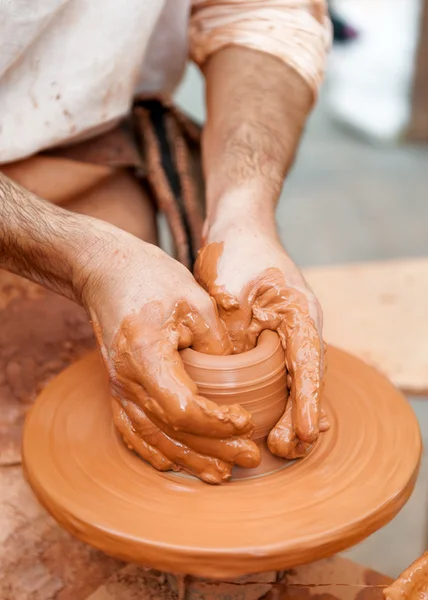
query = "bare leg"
x=112 y=195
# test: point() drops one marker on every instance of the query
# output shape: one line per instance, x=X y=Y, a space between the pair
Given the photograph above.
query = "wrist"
x=242 y=179
x=248 y=206
x=101 y=270
x=43 y=242
x=92 y=244
x=99 y=259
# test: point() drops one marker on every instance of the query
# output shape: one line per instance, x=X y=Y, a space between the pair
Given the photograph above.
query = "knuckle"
x=180 y=420
x=206 y=304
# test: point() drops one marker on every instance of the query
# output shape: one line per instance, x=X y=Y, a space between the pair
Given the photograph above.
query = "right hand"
x=145 y=307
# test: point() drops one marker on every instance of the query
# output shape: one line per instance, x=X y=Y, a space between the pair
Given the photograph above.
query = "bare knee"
x=112 y=195
x=122 y=201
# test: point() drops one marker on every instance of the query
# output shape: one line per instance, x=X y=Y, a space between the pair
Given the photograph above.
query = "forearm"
x=257 y=107
x=45 y=243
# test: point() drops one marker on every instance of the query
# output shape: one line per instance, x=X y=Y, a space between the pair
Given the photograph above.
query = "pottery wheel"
x=356 y=479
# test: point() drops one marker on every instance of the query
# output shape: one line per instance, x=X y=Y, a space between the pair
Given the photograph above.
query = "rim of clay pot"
x=258 y=367
x=267 y=346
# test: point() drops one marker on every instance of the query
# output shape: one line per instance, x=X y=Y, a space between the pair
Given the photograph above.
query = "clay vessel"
x=256 y=380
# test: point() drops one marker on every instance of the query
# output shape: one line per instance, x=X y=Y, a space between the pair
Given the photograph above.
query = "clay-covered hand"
x=144 y=307
x=257 y=286
x=412 y=583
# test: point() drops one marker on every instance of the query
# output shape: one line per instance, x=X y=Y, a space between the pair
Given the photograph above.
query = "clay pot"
x=255 y=379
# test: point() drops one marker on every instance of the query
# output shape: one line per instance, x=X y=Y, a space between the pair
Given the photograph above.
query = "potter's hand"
x=145 y=306
x=412 y=584
x=257 y=106
x=257 y=286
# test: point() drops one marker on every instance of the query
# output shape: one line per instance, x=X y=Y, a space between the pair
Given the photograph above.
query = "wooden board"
x=379 y=312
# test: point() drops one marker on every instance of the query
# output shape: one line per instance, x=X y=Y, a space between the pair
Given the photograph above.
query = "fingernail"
x=308 y=436
x=215 y=478
x=249 y=459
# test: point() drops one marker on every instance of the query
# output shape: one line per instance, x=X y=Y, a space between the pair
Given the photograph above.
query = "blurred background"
x=358 y=192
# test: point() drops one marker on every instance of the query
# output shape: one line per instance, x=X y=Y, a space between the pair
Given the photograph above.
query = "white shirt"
x=70 y=68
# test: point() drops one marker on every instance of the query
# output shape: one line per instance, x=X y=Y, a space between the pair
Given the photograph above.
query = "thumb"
x=208 y=332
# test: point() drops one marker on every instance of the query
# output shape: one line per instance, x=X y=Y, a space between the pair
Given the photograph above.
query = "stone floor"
x=348 y=201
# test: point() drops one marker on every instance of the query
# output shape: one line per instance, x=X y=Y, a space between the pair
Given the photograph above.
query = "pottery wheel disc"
x=355 y=480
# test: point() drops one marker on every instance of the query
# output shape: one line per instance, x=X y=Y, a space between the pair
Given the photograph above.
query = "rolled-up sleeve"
x=298 y=32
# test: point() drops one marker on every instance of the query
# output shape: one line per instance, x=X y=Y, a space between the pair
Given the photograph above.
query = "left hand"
x=257 y=286
x=145 y=306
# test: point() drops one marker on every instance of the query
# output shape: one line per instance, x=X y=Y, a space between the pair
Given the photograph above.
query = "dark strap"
x=162 y=146
x=165 y=150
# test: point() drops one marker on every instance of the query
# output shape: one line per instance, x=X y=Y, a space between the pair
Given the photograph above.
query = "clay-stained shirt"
x=70 y=68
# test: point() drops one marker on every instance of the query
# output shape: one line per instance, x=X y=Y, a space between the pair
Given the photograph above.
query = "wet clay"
x=156 y=405
x=254 y=297
x=358 y=476
x=256 y=380
x=412 y=583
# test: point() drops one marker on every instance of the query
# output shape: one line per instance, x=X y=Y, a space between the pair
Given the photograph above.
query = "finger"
x=170 y=395
x=237 y=450
x=136 y=443
x=324 y=424
x=324 y=366
x=291 y=315
x=300 y=450
x=303 y=350
x=209 y=334
x=283 y=440
x=265 y=315
x=207 y=468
